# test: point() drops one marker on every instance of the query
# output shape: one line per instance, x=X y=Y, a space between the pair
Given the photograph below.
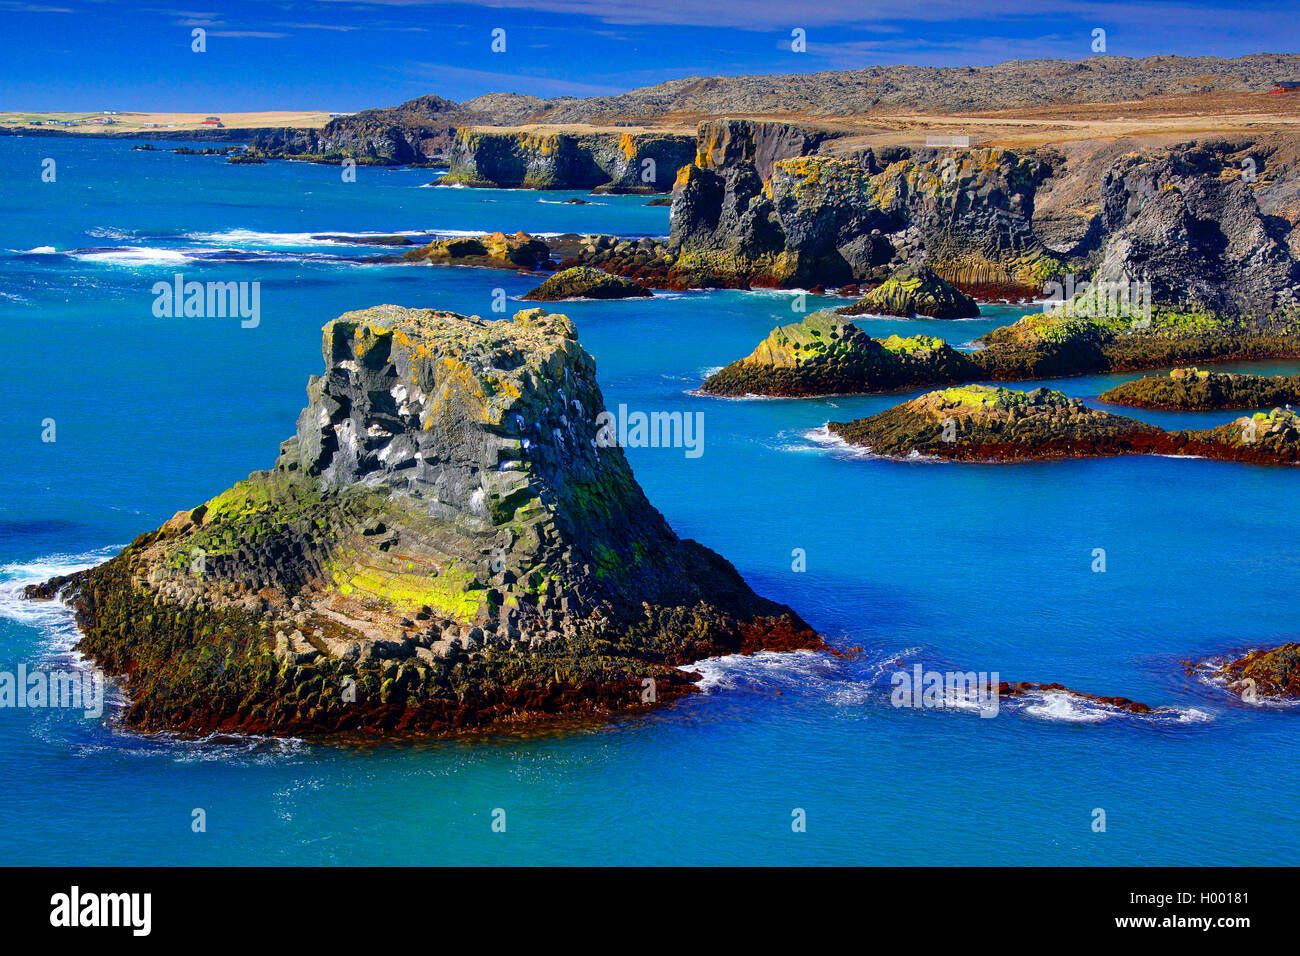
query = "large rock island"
x=444 y=544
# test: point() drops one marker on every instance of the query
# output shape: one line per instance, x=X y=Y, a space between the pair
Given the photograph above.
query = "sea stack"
x=444 y=544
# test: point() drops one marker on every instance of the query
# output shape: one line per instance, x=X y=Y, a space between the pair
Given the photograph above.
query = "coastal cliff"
x=547 y=158
x=764 y=204
x=443 y=544
x=769 y=204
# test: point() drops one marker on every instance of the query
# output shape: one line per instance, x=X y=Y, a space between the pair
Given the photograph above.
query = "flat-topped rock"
x=1196 y=389
x=991 y=424
x=494 y=250
x=443 y=544
x=988 y=423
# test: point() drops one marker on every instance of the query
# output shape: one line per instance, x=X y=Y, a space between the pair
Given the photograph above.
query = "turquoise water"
x=955 y=567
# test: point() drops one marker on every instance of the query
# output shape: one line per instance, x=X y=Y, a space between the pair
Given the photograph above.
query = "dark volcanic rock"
x=418 y=131
x=793 y=216
x=367 y=240
x=495 y=250
x=1021 y=688
x=1200 y=241
x=1194 y=389
x=915 y=291
x=826 y=354
x=631 y=162
x=984 y=423
x=443 y=545
x=584 y=282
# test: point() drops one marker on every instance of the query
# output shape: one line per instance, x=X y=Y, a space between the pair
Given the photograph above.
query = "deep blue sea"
x=952 y=566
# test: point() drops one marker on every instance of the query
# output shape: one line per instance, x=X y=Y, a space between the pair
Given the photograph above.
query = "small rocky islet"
x=584 y=282
x=825 y=354
x=443 y=546
x=1273 y=672
x=915 y=291
x=1193 y=389
x=985 y=423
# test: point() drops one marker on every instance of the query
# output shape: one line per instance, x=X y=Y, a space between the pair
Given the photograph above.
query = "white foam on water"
x=1066 y=708
x=110 y=232
x=134 y=255
x=765 y=668
x=253 y=237
x=841 y=682
x=53 y=619
x=1210 y=674
x=824 y=439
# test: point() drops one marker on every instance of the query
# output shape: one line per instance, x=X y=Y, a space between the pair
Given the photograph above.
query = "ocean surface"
x=955 y=567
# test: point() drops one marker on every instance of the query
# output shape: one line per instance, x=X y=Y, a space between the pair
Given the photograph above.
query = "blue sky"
x=350 y=54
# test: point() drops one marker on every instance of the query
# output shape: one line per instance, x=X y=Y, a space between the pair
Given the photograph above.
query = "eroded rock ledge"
x=993 y=424
x=1194 y=389
x=441 y=545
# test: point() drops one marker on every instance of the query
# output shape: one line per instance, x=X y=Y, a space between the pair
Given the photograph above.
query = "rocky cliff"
x=775 y=211
x=533 y=158
x=771 y=204
x=444 y=543
x=419 y=131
